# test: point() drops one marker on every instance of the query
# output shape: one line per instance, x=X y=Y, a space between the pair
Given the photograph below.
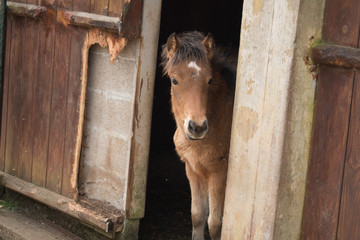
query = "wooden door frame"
x=272 y=122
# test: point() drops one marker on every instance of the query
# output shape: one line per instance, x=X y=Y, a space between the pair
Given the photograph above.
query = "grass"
x=9 y=203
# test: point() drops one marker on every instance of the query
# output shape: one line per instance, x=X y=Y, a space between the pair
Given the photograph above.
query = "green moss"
x=9 y=203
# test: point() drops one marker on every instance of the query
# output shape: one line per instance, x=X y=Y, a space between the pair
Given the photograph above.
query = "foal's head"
x=186 y=60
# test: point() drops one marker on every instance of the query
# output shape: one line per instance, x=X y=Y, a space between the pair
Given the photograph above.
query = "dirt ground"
x=168 y=202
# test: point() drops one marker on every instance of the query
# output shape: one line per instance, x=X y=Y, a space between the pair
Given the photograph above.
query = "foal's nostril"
x=204 y=126
x=192 y=126
x=195 y=129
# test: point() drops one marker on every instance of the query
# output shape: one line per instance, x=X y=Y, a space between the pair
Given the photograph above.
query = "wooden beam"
x=127 y=24
x=91 y=20
x=108 y=222
x=336 y=55
x=25 y=10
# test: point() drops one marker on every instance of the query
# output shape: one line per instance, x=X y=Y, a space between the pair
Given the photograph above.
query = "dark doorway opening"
x=167 y=214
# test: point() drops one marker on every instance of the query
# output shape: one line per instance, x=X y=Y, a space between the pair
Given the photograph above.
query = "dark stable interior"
x=168 y=200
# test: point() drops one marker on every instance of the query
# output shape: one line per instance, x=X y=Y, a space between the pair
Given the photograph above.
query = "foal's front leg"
x=217 y=183
x=199 y=203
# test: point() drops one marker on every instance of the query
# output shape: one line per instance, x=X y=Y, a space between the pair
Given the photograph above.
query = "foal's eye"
x=174 y=81
x=210 y=81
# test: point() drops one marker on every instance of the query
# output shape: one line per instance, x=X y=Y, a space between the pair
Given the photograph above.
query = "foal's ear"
x=172 y=44
x=209 y=45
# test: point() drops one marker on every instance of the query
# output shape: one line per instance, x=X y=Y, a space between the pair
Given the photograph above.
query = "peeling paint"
x=250 y=84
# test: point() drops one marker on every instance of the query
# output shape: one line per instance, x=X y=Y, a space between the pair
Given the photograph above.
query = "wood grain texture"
x=100 y=7
x=65 y=4
x=91 y=20
x=350 y=200
x=69 y=181
x=109 y=221
x=25 y=10
x=43 y=98
x=5 y=94
x=332 y=112
x=131 y=18
x=336 y=55
x=342 y=21
x=83 y=6
x=58 y=109
x=115 y=8
x=13 y=131
x=27 y=88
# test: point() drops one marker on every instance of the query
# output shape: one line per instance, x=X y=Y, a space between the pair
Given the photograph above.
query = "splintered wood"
x=106 y=39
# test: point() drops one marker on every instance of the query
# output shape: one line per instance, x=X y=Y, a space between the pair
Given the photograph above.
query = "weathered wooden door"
x=332 y=204
x=45 y=73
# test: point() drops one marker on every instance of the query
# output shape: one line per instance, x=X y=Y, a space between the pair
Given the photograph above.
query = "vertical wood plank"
x=72 y=116
x=58 y=109
x=350 y=199
x=100 y=7
x=69 y=183
x=326 y=165
x=83 y=6
x=5 y=94
x=43 y=98
x=66 y=4
x=115 y=8
x=13 y=131
x=29 y=79
x=342 y=21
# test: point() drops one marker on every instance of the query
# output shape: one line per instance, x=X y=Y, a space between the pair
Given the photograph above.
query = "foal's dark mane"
x=192 y=49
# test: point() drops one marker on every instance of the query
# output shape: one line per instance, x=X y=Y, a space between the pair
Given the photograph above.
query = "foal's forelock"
x=188 y=48
x=180 y=57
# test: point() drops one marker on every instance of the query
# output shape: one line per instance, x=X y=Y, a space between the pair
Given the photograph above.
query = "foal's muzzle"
x=195 y=131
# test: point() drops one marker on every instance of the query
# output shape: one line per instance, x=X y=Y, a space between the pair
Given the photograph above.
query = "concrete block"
x=104 y=185
x=106 y=151
x=117 y=78
x=110 y=112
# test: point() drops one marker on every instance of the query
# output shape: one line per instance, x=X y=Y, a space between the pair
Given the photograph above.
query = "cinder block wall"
x=108 y=124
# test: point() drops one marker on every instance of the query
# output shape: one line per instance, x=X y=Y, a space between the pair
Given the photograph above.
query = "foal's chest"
x=198 y=155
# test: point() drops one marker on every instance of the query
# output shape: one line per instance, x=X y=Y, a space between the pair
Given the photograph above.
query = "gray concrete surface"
x=15 y=226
